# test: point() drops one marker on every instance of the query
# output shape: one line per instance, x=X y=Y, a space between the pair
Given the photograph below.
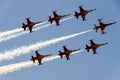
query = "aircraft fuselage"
x=61 y=16
x=86 y=12
x=98 y=45
x=67 y=53
x=33 y=23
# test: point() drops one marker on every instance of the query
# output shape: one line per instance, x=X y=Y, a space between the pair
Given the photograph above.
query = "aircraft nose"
x=114 y=22
x=106 y=43
x=68 y=14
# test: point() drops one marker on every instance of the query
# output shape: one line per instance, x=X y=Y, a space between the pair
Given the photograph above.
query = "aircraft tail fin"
x=24 y=26
x=76 y=14
x=96 y=27
x=60 y=54
x=33 y=59
x=87 y=48
x=50 y=19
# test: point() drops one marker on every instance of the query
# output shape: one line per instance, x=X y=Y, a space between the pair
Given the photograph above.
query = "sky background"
x=83 y=66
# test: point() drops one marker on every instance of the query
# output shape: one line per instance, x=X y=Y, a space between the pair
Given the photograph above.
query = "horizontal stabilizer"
x=61 y=54
x=76 y=14
x=96 y=27
x=24 y=26
x=33 y=59
x=50 y=19
x=87 y=48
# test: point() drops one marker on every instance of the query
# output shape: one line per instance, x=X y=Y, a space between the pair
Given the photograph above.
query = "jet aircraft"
x=67 y=52
x=56 y=18
x=102 y=26
x=94 y=46
x=39 y=57
x=30 y=24
x=82 y=13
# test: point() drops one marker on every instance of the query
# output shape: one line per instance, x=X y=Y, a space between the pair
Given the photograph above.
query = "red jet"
x=39 y=57
x=102 y=26
x=56 y=18
x=82 y=13
x=67 y=52
x=94 y=46
x=30 y=24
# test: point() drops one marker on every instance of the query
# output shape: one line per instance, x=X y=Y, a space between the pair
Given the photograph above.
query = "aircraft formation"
x=56 y=18
x=82 y=12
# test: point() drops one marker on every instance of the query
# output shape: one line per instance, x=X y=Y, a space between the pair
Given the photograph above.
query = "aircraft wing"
x=100 y=22
x=81 y=9
x=65 y=49
x=83 y=17
x=30 y=29
x=102 y=29
x=28 y=21
x=67 y=56
x=57 y=22
x=94 y=50
x=55 y=14
x=37 y=54
x=39 y=61
x=92 y=43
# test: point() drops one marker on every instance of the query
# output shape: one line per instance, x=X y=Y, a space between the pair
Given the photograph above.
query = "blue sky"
x=82 y=66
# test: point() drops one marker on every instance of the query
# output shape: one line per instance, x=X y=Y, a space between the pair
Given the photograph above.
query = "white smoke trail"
x=21 y=33
x=26 y=49
x=35 y=29
x=18 y=66
x=10 y=32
